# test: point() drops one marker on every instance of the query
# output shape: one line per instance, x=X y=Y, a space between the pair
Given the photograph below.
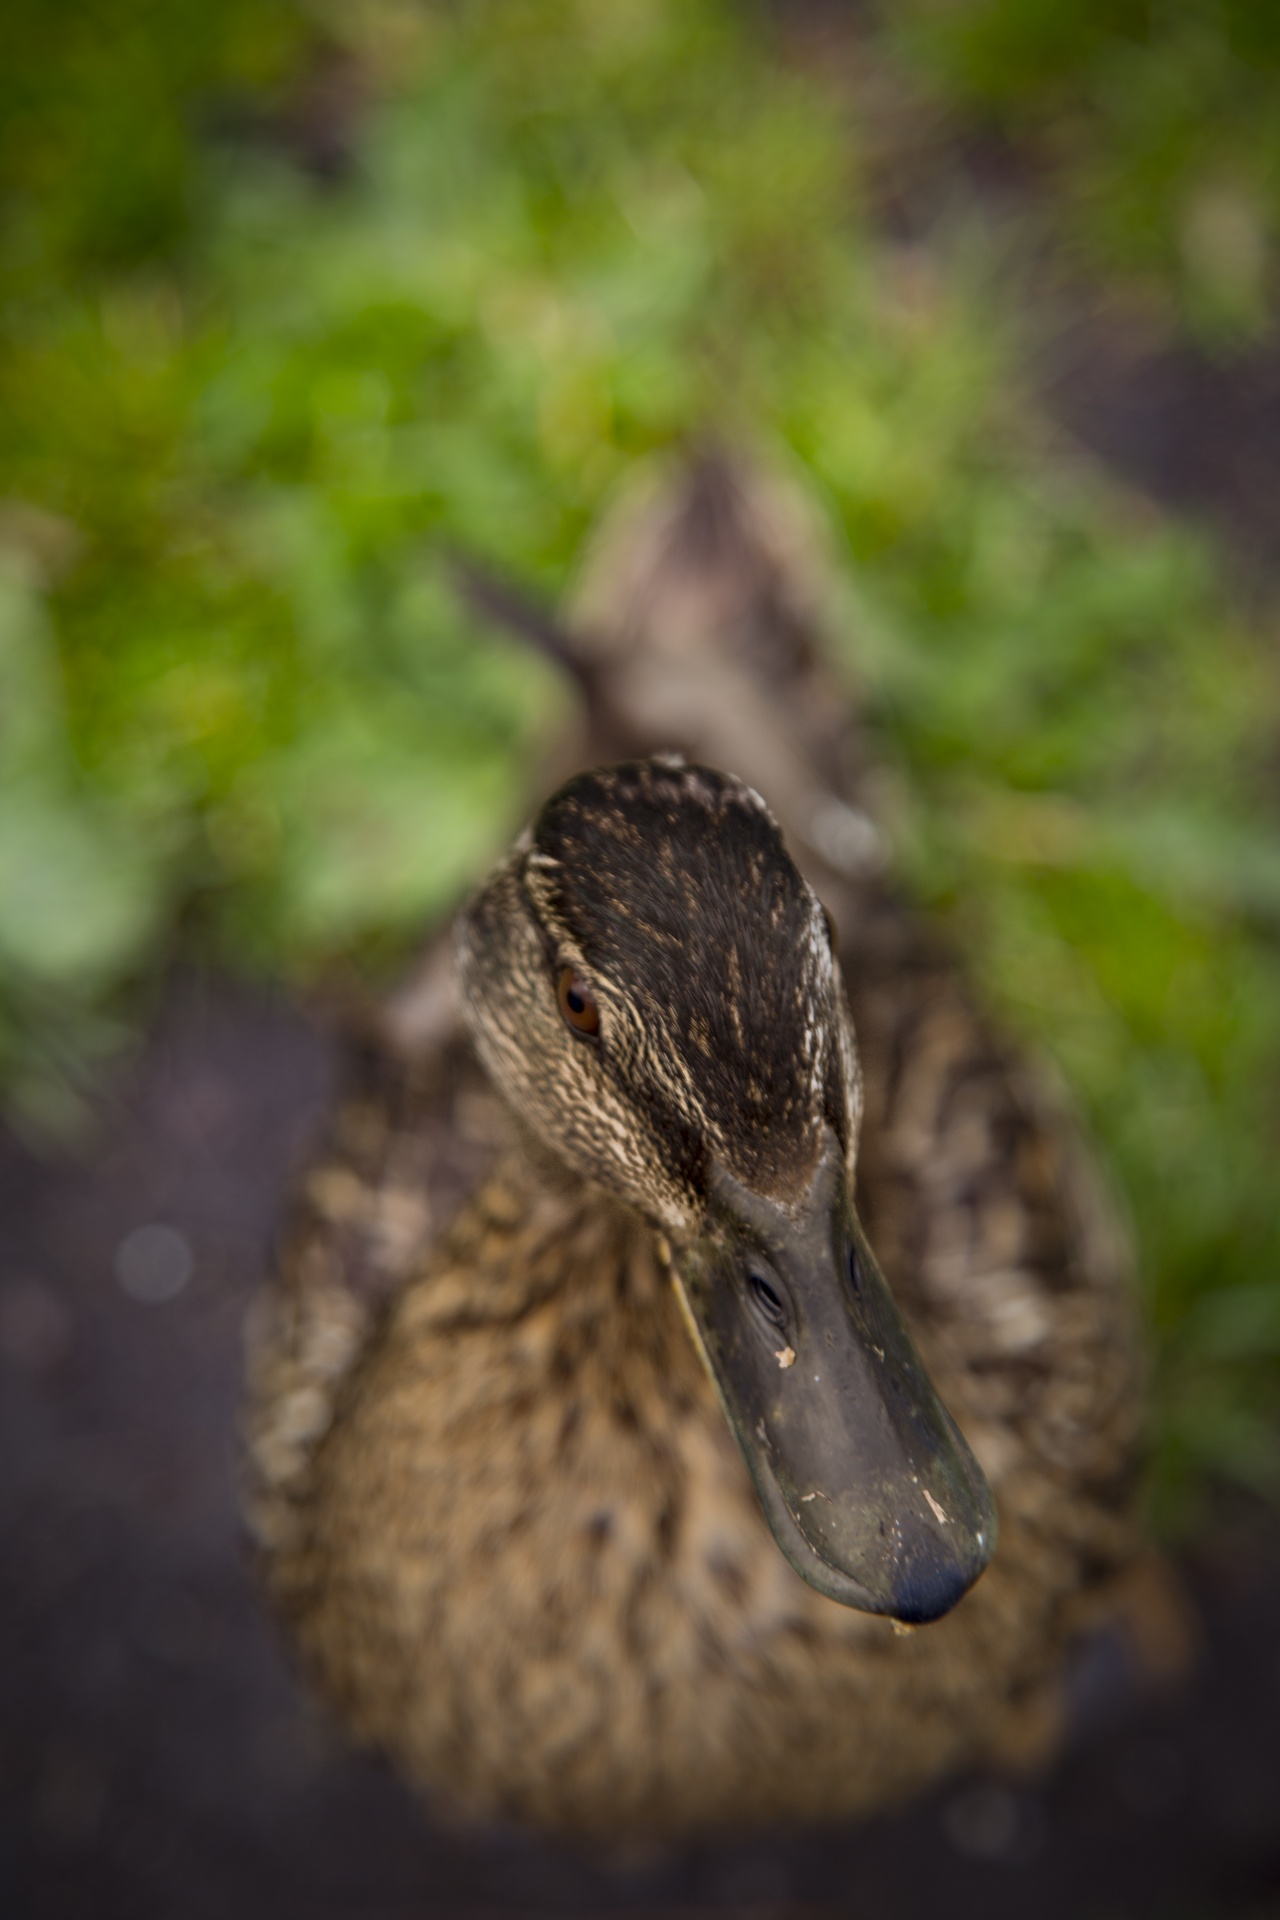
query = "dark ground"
x=155 y=1758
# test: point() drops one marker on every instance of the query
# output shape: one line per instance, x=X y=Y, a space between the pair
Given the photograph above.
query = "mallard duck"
x=601 y=1473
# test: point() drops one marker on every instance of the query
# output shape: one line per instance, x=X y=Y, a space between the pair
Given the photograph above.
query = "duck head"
x=651 y=984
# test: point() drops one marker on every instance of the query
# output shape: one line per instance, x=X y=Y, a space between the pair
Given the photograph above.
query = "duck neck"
x=547 y=1228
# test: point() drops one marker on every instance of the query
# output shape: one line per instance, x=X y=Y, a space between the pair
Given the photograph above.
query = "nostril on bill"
x=767 y=1299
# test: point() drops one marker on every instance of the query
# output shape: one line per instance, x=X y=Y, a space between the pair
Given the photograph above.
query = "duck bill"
x=867 y=1483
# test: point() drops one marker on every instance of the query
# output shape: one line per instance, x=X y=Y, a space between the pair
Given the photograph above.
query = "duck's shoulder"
x=1006 y=1244
x=415 y=1129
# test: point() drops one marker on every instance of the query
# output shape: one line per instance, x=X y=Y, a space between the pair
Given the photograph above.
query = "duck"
x=700 y=1385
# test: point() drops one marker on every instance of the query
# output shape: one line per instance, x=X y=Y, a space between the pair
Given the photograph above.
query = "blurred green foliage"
x=98 y=106
x=1157 y=126
x=248 y=404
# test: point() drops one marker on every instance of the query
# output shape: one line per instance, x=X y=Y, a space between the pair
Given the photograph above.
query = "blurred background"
x=297 y=300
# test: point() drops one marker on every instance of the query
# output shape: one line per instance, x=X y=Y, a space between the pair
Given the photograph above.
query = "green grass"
x=1156 y=124
x=244 y=422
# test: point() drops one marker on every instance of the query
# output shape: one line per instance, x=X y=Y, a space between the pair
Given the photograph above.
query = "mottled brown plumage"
x=498 y=1505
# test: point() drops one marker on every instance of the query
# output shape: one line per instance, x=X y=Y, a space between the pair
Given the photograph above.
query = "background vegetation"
x=1155 y=127
x=291 y=302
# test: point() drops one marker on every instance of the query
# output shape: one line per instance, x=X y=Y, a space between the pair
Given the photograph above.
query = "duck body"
x=499 y=1506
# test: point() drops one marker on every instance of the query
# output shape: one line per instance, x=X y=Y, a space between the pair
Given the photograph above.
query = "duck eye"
x=577 y=1004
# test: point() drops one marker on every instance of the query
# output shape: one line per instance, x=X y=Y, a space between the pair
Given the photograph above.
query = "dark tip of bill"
x=929 y=1588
